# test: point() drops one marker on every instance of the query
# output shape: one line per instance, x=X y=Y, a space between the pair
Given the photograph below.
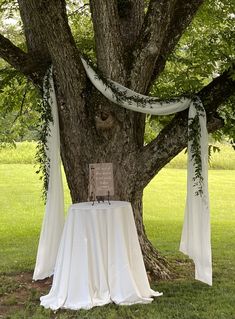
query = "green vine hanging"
x=194 y=136
x=44 y=131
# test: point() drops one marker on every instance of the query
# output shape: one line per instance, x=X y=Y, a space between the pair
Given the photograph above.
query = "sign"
x=100 y=180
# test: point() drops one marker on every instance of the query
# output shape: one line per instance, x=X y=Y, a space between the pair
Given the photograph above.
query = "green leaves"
x=205 y=50
x=82 y=28
x=18 y=107
x=45 y=118
x=195 y=149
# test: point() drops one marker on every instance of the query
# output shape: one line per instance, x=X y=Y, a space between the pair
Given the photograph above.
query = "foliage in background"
x=205 y=50
x=11 y=25
x=19 y=99
x=22 y=113
x=81 y=26
x=19 y=114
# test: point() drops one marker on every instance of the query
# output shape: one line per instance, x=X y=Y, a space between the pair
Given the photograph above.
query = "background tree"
x=131 y=42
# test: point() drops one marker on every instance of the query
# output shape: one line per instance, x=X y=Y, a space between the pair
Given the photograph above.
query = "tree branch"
x=164 y=24
x=35 y=41
x=173 y=138
x=183 y=14
x=218 y=91
x=148 y=46
x=21 y=61
x=49 y=21
x=131 y=18
x=12 y=54
x=108 y=39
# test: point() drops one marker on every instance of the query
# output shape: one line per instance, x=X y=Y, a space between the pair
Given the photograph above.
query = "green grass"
x=224 y=159
x=24 y=153
x=21 y=210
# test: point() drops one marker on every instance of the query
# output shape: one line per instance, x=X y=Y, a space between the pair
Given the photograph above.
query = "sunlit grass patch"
x=223 y=159
x=22 y=153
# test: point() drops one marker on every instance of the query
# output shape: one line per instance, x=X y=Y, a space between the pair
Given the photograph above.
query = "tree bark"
x=156 y=266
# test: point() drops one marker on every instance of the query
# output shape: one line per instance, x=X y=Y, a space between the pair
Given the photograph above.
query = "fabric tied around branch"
x=195 y=239
x=53 y=221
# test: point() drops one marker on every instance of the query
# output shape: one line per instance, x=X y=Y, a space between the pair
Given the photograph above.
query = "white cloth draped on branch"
x=195 y=240
x=53 y=221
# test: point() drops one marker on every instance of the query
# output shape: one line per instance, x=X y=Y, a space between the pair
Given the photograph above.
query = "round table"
x=99 y=259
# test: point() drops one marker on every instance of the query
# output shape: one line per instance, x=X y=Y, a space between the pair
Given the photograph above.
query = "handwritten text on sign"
x=101 y=180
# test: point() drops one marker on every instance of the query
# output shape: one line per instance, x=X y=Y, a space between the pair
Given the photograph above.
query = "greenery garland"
x=194 y=136
x=46 y=118
x=121 y=96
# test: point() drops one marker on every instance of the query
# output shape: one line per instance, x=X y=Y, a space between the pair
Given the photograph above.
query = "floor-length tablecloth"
x=99 y=260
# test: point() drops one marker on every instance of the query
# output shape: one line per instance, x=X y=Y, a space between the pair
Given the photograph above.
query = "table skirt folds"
x=99 y=260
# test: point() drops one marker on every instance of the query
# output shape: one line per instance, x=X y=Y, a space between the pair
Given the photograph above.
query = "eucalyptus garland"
x=194 y=136
x=44 y=131
x=122 y=95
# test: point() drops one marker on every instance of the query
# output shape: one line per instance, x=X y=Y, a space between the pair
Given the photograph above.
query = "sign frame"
x=101 y=182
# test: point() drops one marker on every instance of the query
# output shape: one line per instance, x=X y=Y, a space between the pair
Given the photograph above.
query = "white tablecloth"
x=99 y=260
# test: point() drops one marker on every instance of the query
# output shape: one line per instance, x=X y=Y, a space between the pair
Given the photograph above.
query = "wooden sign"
x=100 y=180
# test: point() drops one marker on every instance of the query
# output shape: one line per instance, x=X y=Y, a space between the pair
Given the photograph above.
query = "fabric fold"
x=53 y=221
x=99 y=260
x=196 y=236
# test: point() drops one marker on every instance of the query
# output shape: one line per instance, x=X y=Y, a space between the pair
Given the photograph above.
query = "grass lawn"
x=21 y=210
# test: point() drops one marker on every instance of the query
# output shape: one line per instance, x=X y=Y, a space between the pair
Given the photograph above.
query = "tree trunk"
x=156 y=266
x=108 y=137
x=92 y=129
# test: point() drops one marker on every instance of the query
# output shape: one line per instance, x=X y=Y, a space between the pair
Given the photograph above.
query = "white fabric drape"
x=53 y=221
x=195 y=240
x=150 y=106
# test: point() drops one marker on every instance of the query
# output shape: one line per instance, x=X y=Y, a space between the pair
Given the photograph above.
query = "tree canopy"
x=205 y=50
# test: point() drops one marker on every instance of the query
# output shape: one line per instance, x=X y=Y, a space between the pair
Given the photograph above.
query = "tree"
x=133 y=41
